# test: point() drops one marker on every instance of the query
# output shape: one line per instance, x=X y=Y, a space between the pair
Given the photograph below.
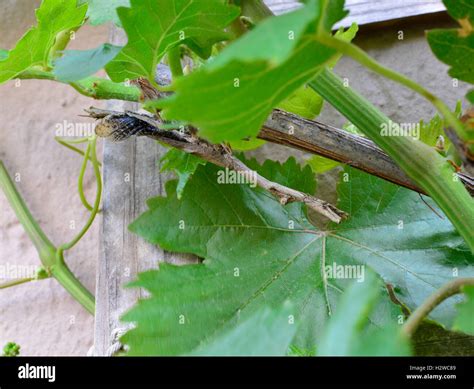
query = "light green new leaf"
x=56 y=19
x=258 y=253
x=153 y=27
x=246 y=144
x=465 y=316
x=266 y=333
x=230 y=98
x=431 y=131
x=344 y=334
x=321 y=164
x=304 y=102
x=183 y=164
x=346 y=36
x=75 y=65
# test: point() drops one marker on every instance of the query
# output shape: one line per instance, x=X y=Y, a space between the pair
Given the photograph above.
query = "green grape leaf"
x=455 y=47
x=346 y=35
x=259 y=253
x=56 y=18
x=460 y=9
x=295 y=351
x=183 y=164
x=266 y=333
x=346 y=334
x=103 y=11
x=153 y=27
x=246 y=144
x=76 y=65
x=321 y=164
x=230 y=97
x=470 y=96
x=304 y=102
x=465 y=316
x=392 y=231
x=256 y=253
x=431 y=131
x=290 y=173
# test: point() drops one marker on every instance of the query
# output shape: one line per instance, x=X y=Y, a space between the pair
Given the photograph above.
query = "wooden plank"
x=371 y=11
x=131 y=176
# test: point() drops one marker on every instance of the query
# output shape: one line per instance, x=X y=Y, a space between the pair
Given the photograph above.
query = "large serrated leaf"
x=183 y=164
x=394 y=232
x=153 y=27
x=267 y=332
x=455 y=47
x=55 y=17
x=259 y=253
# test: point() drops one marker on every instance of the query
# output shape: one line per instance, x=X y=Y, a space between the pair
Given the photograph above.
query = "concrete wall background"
x=41 y=316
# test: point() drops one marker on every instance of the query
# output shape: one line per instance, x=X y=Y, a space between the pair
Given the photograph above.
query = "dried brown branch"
x=317 y=138
x=120 y=126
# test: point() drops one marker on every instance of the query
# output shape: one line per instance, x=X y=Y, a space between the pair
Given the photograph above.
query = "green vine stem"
x=43 y=245
x=68 y=144
x=421 y=163
x=95 y=209
x=362 y=57
x=20 y=281
x=61 y=272
x=446 y=291
x=174 y=62
x=46 y=250
x=95 y=87
x=80 y=181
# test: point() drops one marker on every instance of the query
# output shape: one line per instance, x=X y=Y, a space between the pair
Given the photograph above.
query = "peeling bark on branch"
x=317 y=138
x=119 y=126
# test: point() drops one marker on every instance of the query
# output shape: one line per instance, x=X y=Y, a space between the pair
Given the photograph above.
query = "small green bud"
x=11 y=349
x=41 y=274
